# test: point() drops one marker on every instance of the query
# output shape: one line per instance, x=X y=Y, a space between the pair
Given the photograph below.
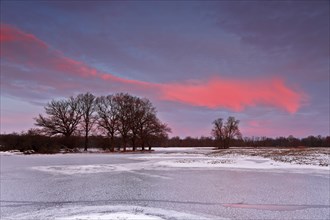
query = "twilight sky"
x=266 y=63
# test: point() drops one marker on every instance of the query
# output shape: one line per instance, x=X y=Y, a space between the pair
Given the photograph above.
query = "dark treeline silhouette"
x=120 y=121
x=32 y=140
x=114 y=121
x=310 y=141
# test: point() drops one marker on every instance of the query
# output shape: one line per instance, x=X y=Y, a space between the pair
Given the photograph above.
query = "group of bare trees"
x=131 y=118
x=125 y=121
x=225 y=132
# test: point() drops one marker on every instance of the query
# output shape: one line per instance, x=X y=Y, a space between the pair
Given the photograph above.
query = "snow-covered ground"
x=236 y=158
x=165 y=184
x=116 y=212
x=188 y=158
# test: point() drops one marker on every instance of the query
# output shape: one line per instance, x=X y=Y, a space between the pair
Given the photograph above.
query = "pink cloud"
x=11 y=34
x=236 y=94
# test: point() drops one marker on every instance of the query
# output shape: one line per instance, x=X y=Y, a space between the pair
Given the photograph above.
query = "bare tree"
x=108 y=117
x=150 y=128
x=125 y=108
x=138 y=116
x=137 y=121
x=224 y=133
x=63 y=117
x=154 y=131
x=138 y=112
x=231 y=130
x=132 y=118
x=87 y=107
x=218 y=132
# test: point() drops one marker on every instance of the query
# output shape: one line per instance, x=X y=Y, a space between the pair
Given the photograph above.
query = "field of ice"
x=187 y=158
x=116 y=212
x=184 y=158
x=165 y=184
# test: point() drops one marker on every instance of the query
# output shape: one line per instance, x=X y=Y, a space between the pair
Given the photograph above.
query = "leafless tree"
x=150 y=128
x=224 y=133
x=63 y=117
x=133 y=119
x=125 y=108
x=218 y=132
x=137 y=121
x=138 y=112
x=154 y=132
x=108 y=117
x=87 y=107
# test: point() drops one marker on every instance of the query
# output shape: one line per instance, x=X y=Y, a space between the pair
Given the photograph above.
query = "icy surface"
x=109 y=213
x=165 y=184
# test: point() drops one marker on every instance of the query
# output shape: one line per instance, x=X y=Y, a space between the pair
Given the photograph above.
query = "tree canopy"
x=132 y=119
x=224 y=133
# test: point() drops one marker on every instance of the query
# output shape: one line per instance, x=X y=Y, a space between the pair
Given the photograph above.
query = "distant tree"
x=86 y=104
x=152 y=130
x=122 y=117
x=231 y=130
x=137 y=121
x=140 y=110
x=63 y=117
x=225 y=133
x=218 y=132
x=124 y=107
x=146 y=127
x=108 y=114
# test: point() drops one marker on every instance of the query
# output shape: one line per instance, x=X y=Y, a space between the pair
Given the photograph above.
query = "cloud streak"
x=47 y=65
x=235 y=94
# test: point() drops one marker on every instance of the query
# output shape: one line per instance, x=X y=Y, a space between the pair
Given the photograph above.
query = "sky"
x=264 y=62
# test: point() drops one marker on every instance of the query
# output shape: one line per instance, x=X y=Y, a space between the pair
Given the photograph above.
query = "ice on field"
x=116 y=212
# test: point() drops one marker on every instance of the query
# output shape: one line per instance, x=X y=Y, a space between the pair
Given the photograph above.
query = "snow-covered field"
x=265 y=158
x=191 y=158
x=167 y=184
x=242 y=158
x=116 y=212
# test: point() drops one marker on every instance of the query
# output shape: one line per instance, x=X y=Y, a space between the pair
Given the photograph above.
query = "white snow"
x=116 y=212
x=182 y=149
x=242 y=162
x=112 y=216
x=164 y=161
x=76 y=169
x=10 y=153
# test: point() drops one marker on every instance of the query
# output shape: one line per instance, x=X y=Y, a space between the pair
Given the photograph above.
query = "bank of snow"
x=239 y=162
x=201 y=158
x=117 y=212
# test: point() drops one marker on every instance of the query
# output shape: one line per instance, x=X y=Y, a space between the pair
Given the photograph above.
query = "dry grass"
x=300 y=155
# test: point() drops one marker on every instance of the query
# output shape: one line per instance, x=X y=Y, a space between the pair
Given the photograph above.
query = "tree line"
x=290 y=141
x=132 y=119
x=33 y=140
x=119 y=121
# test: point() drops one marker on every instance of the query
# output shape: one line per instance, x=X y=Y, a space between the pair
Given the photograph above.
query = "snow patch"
x=10 y=153
x=76 y=169
x=117 y=212
x=238 y=162
x=112 y=216
x=179 y=160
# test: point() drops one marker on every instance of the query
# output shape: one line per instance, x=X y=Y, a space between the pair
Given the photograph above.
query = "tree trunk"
x=112 y=148
x=133 y=143
x=86 y=142
x=124 y=144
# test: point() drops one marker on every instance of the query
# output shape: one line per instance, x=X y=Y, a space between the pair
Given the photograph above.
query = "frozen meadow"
x=168 y=183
